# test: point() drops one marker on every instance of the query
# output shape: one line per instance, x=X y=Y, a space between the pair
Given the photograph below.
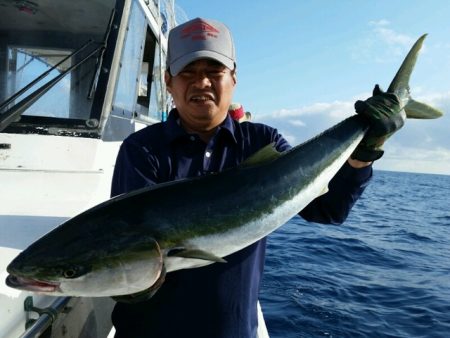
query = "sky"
x=302 y=64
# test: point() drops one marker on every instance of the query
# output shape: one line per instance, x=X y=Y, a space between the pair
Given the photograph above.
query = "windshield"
x=49 y=39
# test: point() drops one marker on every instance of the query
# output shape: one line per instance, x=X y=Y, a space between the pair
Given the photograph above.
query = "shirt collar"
x=174 y=130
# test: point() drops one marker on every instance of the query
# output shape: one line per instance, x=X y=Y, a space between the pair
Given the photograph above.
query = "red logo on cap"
x=199 y=30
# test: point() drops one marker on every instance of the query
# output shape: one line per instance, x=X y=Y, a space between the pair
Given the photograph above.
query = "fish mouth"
x=29 y=284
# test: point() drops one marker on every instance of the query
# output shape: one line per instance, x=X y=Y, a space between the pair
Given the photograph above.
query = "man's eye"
x=186 y=72
x=216 y=72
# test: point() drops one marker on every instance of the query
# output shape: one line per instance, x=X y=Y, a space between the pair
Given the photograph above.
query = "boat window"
x=152 y=90
x=57 y=41
x=157 y=94
x=129 y=74
x=140 y=92
x=27 y=64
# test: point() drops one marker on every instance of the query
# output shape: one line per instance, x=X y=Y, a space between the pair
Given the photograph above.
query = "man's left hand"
x=385 y=116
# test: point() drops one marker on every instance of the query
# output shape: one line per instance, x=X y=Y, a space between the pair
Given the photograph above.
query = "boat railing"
x=47 y=316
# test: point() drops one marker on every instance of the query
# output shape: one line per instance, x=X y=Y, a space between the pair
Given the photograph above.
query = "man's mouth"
x=29 y=284
x=201 y=98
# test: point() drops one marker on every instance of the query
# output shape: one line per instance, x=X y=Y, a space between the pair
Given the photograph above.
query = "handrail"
x=15 y=111
x=98 y=66
x=44 y=74
x=46 y=318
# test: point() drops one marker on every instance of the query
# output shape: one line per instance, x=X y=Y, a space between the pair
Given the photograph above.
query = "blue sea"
x=384 y=273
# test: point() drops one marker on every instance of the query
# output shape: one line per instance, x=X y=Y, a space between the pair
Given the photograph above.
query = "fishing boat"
x=76 y=78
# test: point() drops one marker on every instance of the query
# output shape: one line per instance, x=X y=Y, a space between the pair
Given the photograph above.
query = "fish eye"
x=72 y=272
x=69 y=273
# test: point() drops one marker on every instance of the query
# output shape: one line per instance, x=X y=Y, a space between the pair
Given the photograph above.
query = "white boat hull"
x=44 y=180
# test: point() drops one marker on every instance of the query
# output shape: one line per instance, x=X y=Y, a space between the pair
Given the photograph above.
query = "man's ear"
x=168 y=80
x=233 y=75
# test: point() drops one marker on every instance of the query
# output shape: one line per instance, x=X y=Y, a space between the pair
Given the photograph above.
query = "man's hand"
x=358 y=164
x=385 y=116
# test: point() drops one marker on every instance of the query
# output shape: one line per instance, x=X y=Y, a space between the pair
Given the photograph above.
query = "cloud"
x=421 y=146
x=381 y=44
x=336 y=109
x=411 y=159
x=298 y=123
x=440 y=100
x=389 y=36
x=380 y=23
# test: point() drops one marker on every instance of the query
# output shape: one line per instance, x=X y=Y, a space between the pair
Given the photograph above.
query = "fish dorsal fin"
x=194 y=253
x=419 y=110
x=262 y=156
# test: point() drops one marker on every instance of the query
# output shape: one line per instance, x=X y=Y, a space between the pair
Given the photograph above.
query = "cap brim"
x=183 y=61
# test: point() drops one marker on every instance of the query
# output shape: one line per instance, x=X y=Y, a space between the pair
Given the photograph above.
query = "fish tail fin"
x=419 y=110
x=400 y=86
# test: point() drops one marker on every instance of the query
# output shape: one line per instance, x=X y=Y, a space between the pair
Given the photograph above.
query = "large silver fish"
x=125 y=245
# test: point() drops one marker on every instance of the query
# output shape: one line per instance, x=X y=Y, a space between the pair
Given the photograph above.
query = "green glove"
x=385 y=116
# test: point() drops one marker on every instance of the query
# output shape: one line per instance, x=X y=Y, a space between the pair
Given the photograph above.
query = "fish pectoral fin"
x=324 y=191
x=196 y=254
x=145 y=294
x=262 y=156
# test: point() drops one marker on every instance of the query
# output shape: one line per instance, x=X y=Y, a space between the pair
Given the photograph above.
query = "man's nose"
x=202 y=80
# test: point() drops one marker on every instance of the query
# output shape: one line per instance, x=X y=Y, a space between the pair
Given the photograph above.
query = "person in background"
x=236 y=111
x=200 y=137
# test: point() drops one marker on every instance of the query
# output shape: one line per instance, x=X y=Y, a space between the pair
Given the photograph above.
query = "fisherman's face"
x=202 y=93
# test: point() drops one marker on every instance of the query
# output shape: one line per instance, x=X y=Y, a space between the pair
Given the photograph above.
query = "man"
x=199 y=137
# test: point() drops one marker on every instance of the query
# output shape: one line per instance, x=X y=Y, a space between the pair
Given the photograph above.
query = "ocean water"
x=384 y=273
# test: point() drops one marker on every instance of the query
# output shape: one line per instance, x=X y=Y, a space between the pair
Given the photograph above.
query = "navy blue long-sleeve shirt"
x=218 y=300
